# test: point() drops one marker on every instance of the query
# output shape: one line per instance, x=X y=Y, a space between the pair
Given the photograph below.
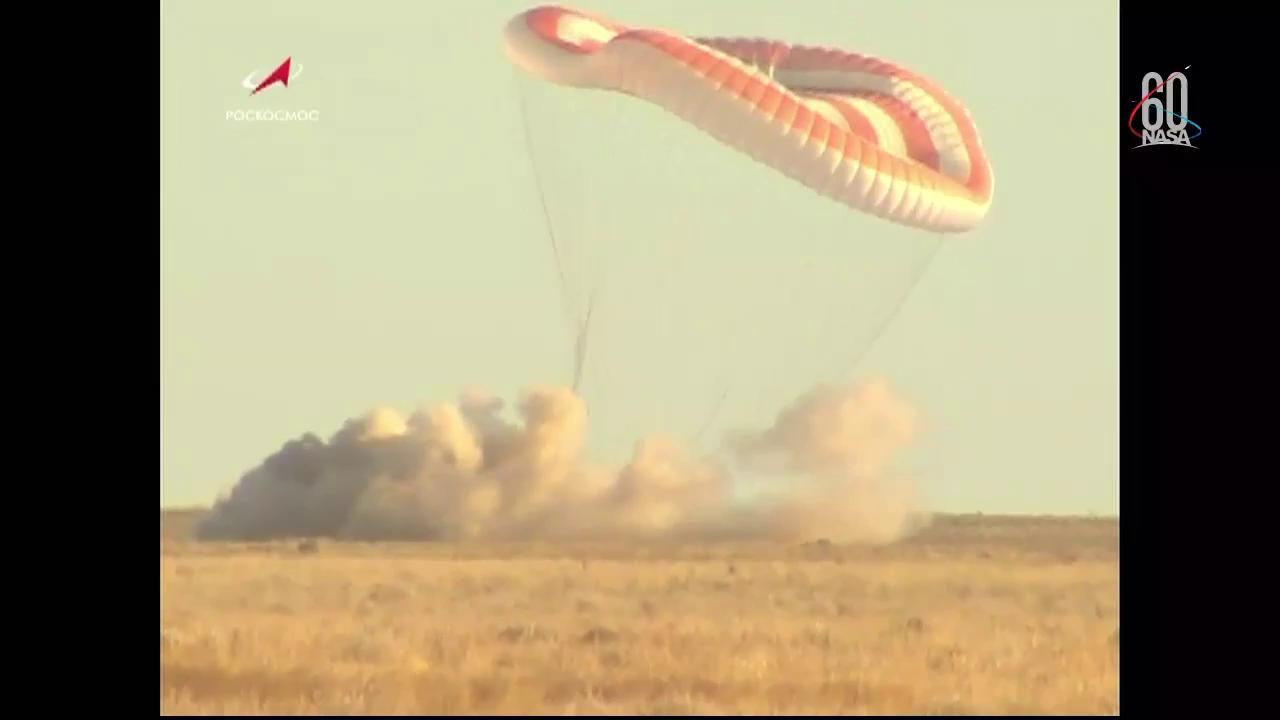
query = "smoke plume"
x=461 y=471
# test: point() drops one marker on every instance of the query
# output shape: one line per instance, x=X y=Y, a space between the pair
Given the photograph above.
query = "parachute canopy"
x=865 y=132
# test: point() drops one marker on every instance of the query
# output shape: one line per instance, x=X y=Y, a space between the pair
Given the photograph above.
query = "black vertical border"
x=1196 y=232
x=1139 y=511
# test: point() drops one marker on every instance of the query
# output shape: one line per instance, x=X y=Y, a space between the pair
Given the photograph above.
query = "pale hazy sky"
x=394 y=251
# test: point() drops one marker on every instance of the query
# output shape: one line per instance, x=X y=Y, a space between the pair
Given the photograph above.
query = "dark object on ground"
x=599 y=635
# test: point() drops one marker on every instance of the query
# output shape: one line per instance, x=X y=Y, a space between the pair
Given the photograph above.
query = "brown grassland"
x=974 y=615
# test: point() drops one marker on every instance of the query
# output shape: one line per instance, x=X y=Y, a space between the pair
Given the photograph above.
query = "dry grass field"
x=975 y=615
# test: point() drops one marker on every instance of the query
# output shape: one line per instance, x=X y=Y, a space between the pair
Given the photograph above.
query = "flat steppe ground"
x=973 y=615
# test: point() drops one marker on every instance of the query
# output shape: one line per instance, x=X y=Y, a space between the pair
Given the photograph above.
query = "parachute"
x=860 y=130
x=871 y=135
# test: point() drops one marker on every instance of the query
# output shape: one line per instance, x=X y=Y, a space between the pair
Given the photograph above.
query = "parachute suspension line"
x=580 y=343
x=562 y=46
x=917 y=276
x=580 y=323
x=677 y=165
x=542 y=199
x=715 y=410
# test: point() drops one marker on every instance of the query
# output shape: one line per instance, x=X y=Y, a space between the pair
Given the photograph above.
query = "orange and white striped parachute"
x=865 y=132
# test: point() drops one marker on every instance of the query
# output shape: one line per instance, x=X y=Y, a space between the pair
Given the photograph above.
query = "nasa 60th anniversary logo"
x=1163 y=112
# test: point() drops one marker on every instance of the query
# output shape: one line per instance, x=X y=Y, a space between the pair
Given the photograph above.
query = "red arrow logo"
x=279 y=75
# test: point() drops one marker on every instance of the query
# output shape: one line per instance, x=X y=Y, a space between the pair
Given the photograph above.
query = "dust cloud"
x=463 y=471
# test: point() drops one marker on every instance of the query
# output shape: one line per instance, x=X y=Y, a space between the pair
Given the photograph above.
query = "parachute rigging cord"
x=580 y=343
x=581 y=324
x=916 y=277
x=867 y=133
x=715 y=410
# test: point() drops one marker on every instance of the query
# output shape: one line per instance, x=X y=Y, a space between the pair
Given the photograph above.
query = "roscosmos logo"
x=280 y=75
x=284 y=73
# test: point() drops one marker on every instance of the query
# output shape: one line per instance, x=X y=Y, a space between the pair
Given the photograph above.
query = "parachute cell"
x=865 y=132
